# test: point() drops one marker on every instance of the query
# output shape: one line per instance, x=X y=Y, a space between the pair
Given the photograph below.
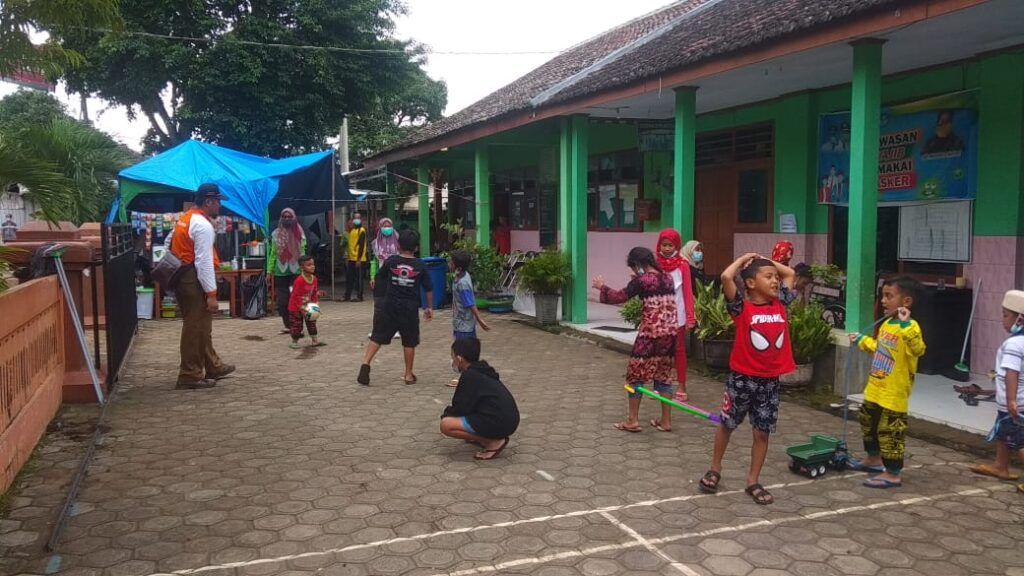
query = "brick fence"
x=31 y=369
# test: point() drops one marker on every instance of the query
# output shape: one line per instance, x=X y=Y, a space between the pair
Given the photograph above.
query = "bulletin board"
x=936 y=232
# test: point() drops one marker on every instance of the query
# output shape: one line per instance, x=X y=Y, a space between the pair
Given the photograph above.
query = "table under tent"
x=153 y=193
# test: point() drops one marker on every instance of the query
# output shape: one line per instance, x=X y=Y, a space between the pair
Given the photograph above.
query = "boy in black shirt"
x=483 y=411
x=403 y=275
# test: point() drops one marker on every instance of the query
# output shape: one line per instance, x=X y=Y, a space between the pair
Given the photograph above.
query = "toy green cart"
x=817 y=456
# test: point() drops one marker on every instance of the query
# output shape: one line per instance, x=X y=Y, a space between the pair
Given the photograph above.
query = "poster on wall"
x=927 y=151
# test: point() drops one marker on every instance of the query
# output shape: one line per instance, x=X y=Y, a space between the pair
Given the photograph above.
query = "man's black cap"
x=208 y=190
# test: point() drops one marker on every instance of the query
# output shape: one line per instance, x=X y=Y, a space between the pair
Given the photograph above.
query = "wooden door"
x=715 y=199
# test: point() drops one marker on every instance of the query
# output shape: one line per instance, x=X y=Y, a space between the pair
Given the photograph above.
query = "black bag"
x=254 y=297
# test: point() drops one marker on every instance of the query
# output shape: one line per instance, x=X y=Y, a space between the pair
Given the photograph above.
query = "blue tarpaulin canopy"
x=252 y=185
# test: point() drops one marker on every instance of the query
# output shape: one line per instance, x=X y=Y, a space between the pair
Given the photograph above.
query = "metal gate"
x=119 y=294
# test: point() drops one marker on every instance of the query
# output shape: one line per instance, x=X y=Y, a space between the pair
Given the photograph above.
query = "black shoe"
x=194 y=384
x=359 y=298
x=364 y=375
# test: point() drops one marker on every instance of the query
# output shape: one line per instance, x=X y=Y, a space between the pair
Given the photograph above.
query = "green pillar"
x=482 y=193
x=565 y=203
x=684 y=163
x=865 y=120
x=423 y=186
x=389 y=200
x=578 y=156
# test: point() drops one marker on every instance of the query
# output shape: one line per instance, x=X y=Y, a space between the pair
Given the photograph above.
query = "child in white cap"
x=1008 y=430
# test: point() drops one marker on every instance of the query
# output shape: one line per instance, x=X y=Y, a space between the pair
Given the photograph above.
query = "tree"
x=396 y=113
x=69 y=167
x=20 y=18
x=27 y=108
x=232 y=72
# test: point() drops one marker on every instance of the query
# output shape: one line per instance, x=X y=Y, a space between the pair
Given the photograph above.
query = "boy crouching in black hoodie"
x=483 y=411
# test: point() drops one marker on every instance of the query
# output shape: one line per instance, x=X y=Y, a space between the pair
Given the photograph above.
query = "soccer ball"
x=312 y=311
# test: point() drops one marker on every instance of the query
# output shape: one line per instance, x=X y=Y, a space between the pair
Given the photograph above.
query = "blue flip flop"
x=854 y=464
x=881 y=483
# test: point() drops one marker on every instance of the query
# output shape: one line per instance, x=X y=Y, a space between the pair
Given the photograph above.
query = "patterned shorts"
x=1009 y=433
x=754 y=395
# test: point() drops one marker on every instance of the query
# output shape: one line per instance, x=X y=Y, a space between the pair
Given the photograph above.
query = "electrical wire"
x=340 y=49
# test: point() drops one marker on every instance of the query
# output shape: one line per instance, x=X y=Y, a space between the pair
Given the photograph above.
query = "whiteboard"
x=936 y=232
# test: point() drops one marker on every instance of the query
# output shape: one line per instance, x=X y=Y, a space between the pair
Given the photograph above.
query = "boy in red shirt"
x=760 y=354
x=304 y=290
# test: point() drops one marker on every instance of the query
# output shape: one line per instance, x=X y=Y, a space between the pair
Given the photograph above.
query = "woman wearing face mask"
x=384 y=246
x=671 y=263
x=693 y=252
x=287 y=243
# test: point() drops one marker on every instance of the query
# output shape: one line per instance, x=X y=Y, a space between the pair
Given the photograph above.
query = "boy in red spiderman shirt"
x=760 y=354
x=305 y=290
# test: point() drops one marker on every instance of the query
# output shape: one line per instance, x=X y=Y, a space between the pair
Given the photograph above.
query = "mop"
x=963 y=371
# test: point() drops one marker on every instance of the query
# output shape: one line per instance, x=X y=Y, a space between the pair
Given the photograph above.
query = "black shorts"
x=387 y=322
x=753 y=395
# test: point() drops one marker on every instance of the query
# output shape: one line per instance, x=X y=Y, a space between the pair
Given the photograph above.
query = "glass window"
x=613 y=189
x=752 y=200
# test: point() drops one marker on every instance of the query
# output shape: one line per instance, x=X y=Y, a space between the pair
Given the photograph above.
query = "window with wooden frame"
x=614 y=184
x=518 y=190
x=748 y=152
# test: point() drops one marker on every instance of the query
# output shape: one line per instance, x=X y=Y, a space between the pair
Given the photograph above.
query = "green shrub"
x=827 y=275
x=632 y=311
x=547 y=273
x=810 y=334
x=713 y=319
x=487 y=265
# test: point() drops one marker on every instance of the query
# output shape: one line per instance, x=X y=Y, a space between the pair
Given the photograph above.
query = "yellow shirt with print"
x=357 y=246
x=896 y=350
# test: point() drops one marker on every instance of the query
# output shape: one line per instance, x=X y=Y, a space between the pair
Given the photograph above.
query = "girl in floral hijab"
x=288 y=241
x=385 y=244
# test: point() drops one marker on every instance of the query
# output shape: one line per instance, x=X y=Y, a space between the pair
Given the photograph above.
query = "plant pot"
x=694 y=348
x=716 y=353
x=546 y=307
x=802 y=376
x=501 y=303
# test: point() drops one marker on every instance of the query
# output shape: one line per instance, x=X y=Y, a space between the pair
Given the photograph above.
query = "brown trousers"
x=198 y=357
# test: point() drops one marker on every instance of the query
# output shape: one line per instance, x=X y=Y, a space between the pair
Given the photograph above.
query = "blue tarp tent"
x=253 y=186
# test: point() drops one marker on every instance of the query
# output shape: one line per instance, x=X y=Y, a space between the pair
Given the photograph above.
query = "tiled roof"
x=680 y=34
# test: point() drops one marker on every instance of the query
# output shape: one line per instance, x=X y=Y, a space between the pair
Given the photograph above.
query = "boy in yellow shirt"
x=883 y=417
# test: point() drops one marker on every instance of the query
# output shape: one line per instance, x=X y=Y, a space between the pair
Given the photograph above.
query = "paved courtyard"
x=290 y=467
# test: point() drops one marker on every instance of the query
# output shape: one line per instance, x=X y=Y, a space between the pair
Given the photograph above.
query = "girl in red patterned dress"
x=653 y=358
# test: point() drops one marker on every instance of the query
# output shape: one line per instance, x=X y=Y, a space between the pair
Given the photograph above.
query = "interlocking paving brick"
x=289 y=467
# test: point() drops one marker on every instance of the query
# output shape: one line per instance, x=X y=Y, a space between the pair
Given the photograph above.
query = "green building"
x=882 y=136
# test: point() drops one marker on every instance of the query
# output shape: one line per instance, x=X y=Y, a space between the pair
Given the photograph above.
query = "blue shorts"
x=1007 y=432
x=466 y=426
x=661 y=388
x=464 y=335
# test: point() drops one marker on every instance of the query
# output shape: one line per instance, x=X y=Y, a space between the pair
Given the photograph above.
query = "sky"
x=546 y=26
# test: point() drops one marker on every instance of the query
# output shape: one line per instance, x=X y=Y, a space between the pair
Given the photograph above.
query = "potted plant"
x=545 y=276
x=632 y=311
x=810 y=337
x=715 y=328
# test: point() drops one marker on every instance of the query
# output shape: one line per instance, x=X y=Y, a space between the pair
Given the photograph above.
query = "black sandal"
x=759 y=494
x=709 y=483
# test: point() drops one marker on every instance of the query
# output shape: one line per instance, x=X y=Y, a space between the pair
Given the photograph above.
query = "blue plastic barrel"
x=437 y=268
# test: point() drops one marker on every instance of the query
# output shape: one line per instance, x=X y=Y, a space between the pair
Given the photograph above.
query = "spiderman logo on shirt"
x=767 y=330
